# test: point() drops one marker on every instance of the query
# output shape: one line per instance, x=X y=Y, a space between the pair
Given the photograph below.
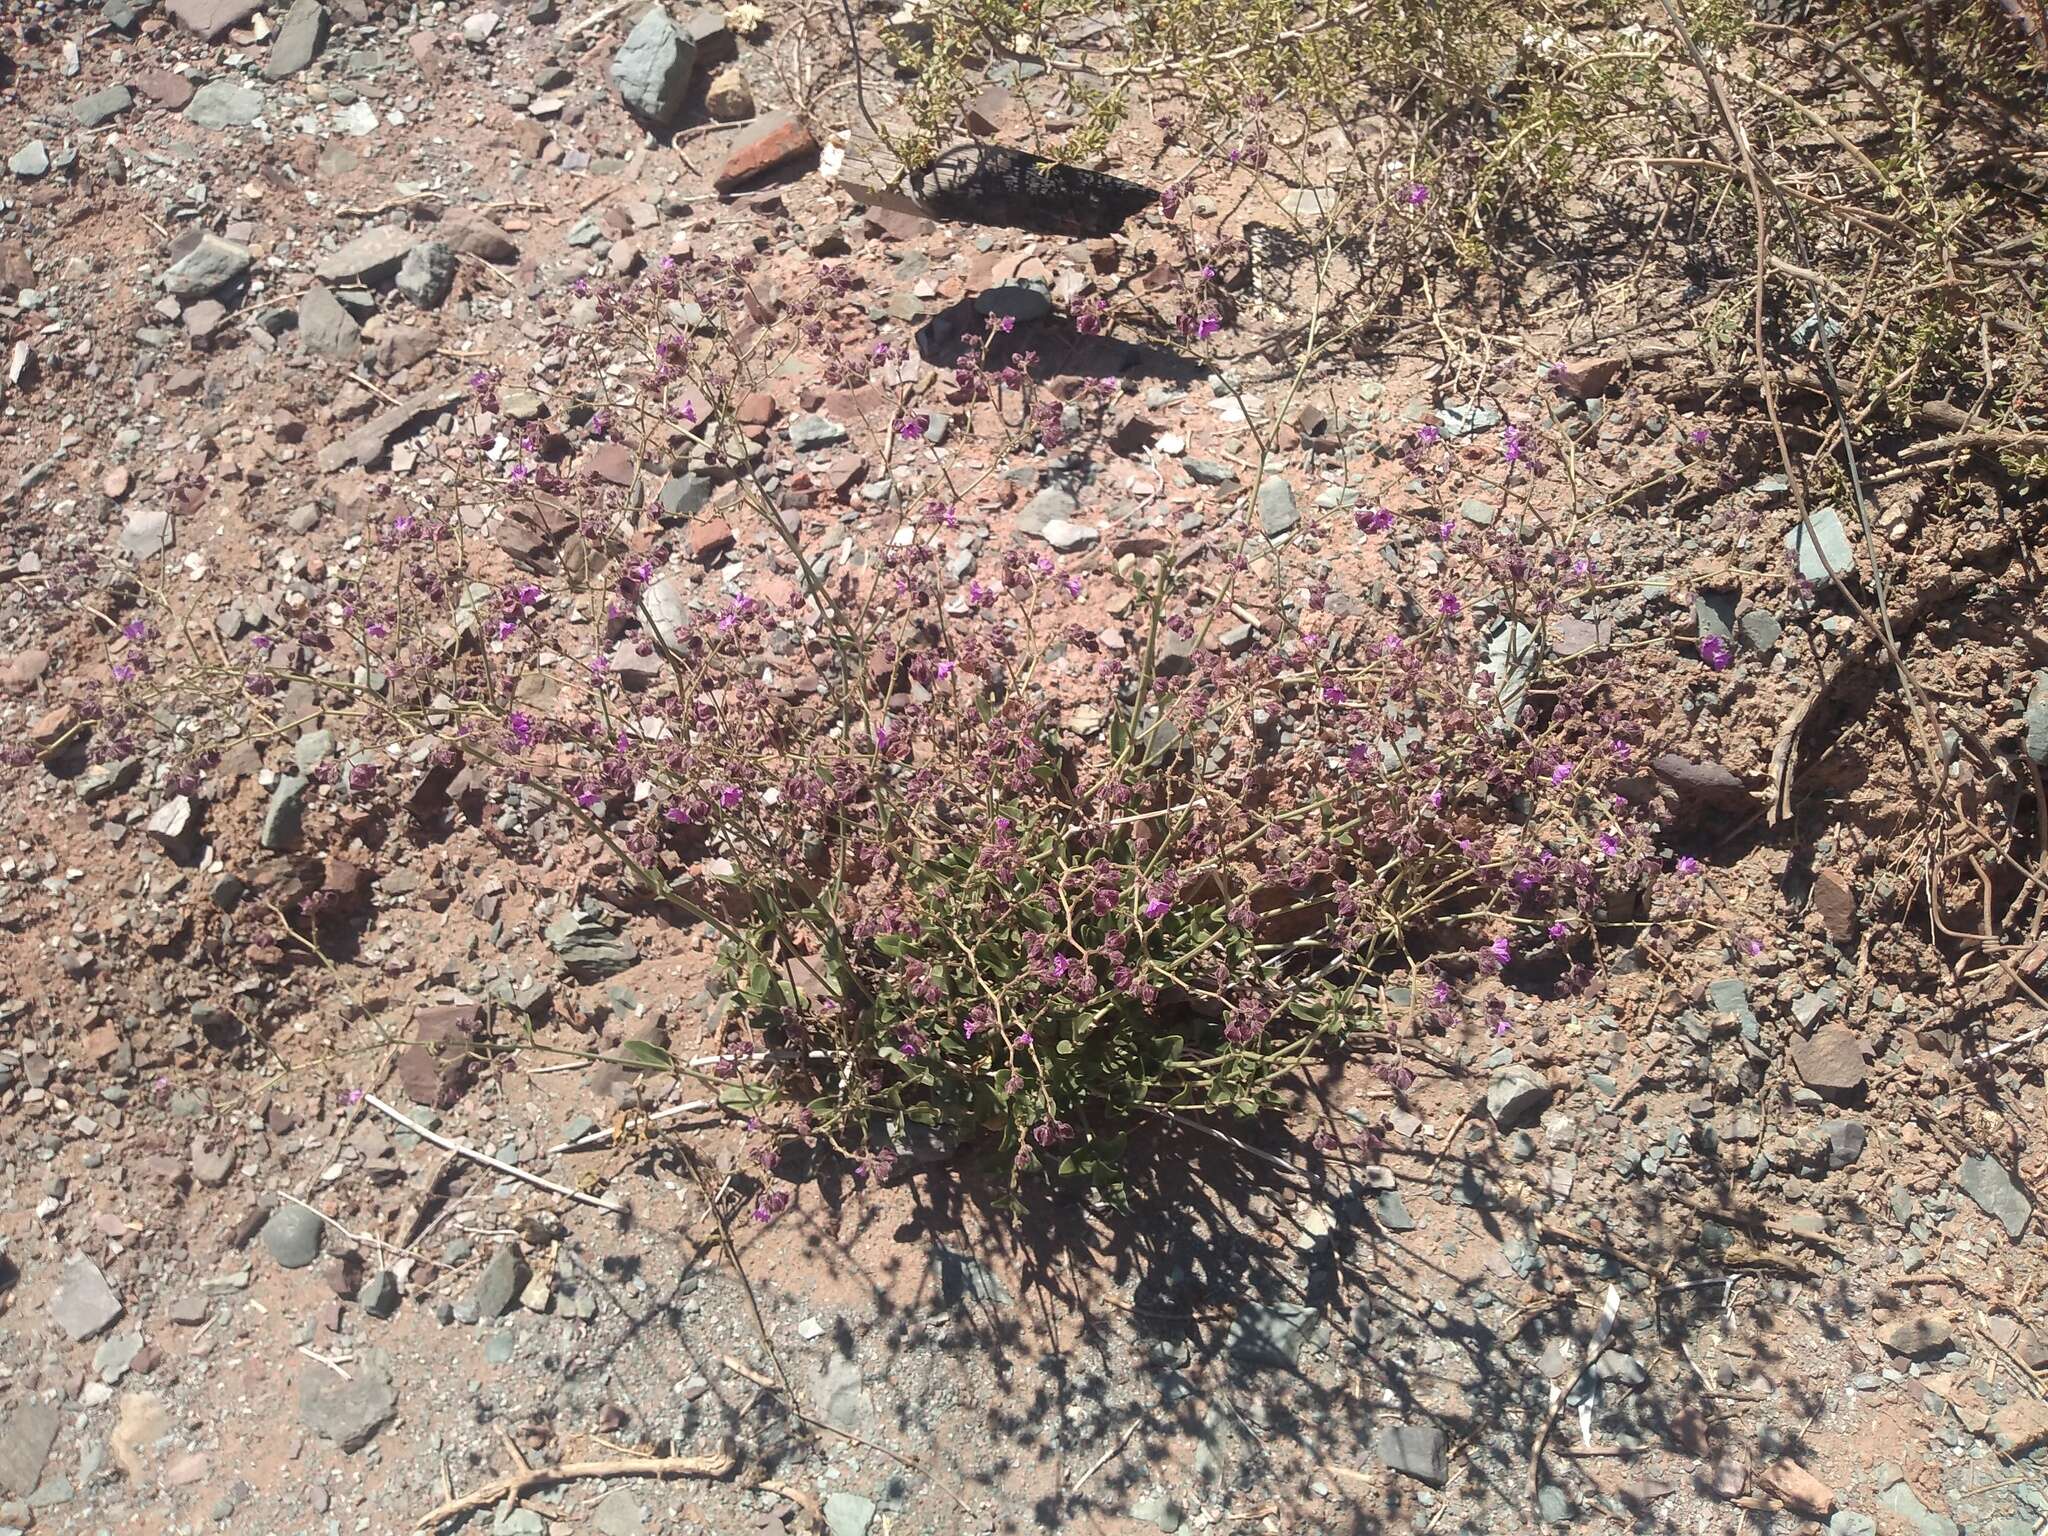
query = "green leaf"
x=745 y=1095
x=646 y=1055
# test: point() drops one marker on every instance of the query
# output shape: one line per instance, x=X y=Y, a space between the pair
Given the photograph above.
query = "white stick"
x=2011 y=1045
x=604 y=1133
x=487 y=1160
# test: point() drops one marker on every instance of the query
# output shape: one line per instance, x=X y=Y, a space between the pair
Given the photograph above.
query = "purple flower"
x=911 y=428
x=1416 y=195
x=1448 y=604
x=1208 y=326
x=135 y=629
x=520 y=724
x=1560 y=930
x=1560 y=773
x=1511 y=444
x=1688 y=865
x=1156 y=908
x=1715 y=653
x=1427 y=436
x=1501 y=950
x=731 y=796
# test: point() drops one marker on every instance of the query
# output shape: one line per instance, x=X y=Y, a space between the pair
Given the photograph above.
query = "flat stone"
x=473 y=235
x=684 y=496
x=1797 y=1488
x=212 y=19
x=101 y=106
x=1830 y=1062
x=588 y=948
x=2034 y=721
x=652 y=69
x=729 y=99
x=224 y=103
x=441 y=1062
x=1278 y=514
x=31 y=1430
x=1920 y=1338
x=848 y=1514
x=618 y=1514
x=1415 y=1450
x=810 y=432
x=427 y=275
x=773 y=142
x=347 y=1412
x=284 y=817
x=206 y=265
x=1269 y=1336
x=1846 y=1140
x=1900 y=1499
x=83 y=1302
x=1820 y=542
x=1156 y=1508
x=326 y=328
x=1067 y=536
x=1516 y=1095
x=2021 y=1426
x=1023 y=301
x=369 y=258
x=498 y=1286
x=1847 y=1522
x=1985 y=1180
x=379 y=1295
x=368 y=445
x=292 y=1234
x=110 y=1362
x=298 y=40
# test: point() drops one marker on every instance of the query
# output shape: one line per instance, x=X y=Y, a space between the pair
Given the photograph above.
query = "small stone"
x=1820 y=543
x=1849 y=1523
x=326 y=328
x=771 y=143
x=810 y=432
x=1794 y=1486
x=1900 y=1499
x=206 y=265
x=1834 y=899
x=1053 y=504
x=284 y=818
x=1920 y=1338
x=348 y=1412
x=1846 y=1139
x=224 y=103
x=442 y=1060
x=618 y=1514
x=427 y=275
x=1516 y=1095
x=1418 y=1450
x=1985 y=1181
x=2021 y=1426
x=101 y=106
x=31 y=160
x=83 y=1302
x=212 y=19
x=498 y=1287
x=170 y=825
x=728 y=98
x=292 y=1234
x=2034 y=722
x=683 y=497
x=369 y=258
x=379 y=1295
x=298 y=40
x=25 y=1441
x=1830 y=1062
x=1068 y=536
x=1023 y=301
x=848 y=1514
x=1277 y=513
x=110 y=1362
x=652 y=68
x=1156 y=1508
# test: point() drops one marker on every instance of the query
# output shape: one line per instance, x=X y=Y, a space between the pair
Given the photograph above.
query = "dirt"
x=1752 y=1210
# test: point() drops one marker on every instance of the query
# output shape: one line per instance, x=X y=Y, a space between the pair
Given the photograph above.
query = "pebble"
x=83 y=1302
x=1516 y=1095
x=1985 y=1180
x=848 y=1514
x=1418 y=1450
x=224 y=103
x=500 y=1283
x=1278 y=515
x=292 y=1234
x=31 y=160
x=652 y=69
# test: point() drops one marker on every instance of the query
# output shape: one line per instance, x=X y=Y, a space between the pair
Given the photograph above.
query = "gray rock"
x=1023 y=301
x=292 y=1234
x=498 y=1287
x=848 y=1514
x=379 y=1295
x=684 y=497
x=1985 y=1181
x=369 y=258
x=1714 y=612
x=1830 y=1062
x=1391 y=1211
x=284 y=818
x=1847 y=1522
x=348 y=1412
x=427 y=275
x=1208 y=472
x=25 y=1447
x=1052 y=505
x=811 y=431
x=1067 y=536
x=1263 y=1336
x=111 y=1360
x=1516 y=1096
x=1760 y=629
x=653 y=66
x=146 y=532
x=209 y=264
x=224 y=103
x=1277 y=512
x=1419 y=1450
x=1552 y=1506
x=1156 y=1508
x=101 y=106
x=587 y=947
x=1621 y=1368
x=298 y=40
x=1901 y=1500
x=2035 y=721
x=1846 y=1139
x=964 y=1280
x=170 y=825
x=326 y=329
x=618 y=1514
x=83 y=1302
x=1820 y=542
x=31 y=160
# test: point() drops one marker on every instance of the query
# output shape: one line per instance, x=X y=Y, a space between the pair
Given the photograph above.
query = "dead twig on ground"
x=711 y=1468
x=508 y=1169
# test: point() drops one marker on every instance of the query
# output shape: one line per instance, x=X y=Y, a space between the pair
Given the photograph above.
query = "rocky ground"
x=1750 y=1240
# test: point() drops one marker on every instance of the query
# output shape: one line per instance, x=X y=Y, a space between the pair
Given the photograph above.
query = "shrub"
x=975 y=862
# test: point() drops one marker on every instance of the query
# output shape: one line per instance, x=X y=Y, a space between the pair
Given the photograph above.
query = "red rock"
x=168 y=90
x=709 y=539
x=53 y=725
x=479 y=237
x=984 y=115
x=23 y=670
x=1834 y=899
x=211 y=19
x=1583 y=378
x=612 y=462
x=2020 y=1426
x=774 y=141
x=1830 y=1061
x=1794 y=1486
x=757 y=409
x=441 y=1062
x=116 y=481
